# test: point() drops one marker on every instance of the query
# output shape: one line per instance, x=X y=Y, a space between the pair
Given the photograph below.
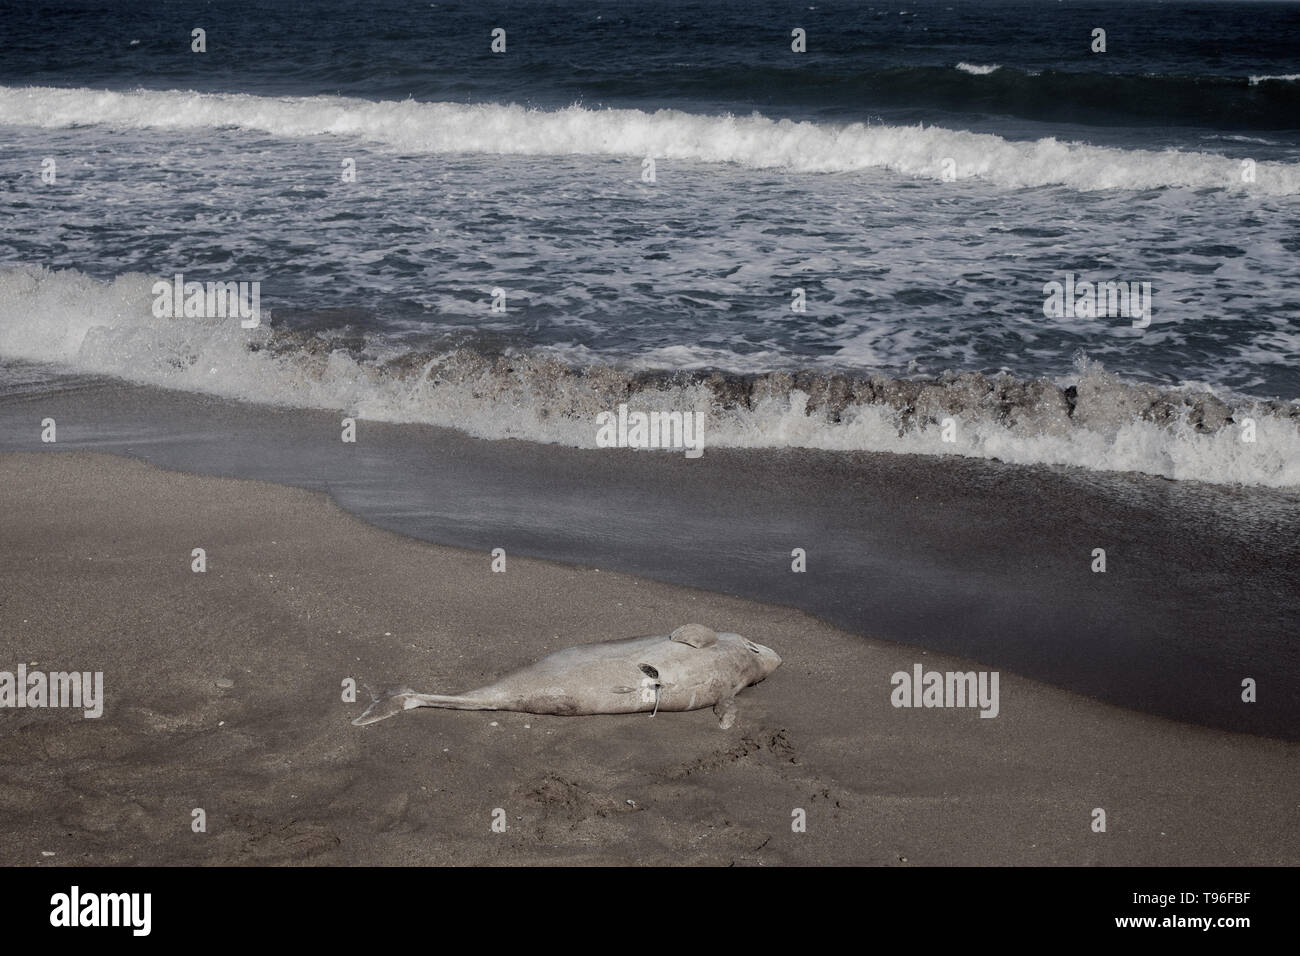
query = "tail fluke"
x=394 y=702
x=383 y=706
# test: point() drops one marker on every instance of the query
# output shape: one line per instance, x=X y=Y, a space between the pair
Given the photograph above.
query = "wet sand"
x=223 y=693
x=979 y=559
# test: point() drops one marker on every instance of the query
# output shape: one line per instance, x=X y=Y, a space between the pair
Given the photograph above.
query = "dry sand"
x=224 y=693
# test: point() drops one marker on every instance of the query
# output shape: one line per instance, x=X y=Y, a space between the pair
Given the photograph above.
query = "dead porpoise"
x=691 y=668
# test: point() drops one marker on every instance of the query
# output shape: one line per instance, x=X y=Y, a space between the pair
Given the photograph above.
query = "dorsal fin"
x=696 y=635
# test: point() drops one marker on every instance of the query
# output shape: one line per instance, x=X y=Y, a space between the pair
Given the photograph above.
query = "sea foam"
x=1095 y=420
x=753 y=141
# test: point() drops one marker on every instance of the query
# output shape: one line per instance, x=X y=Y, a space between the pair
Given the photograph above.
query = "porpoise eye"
x=649 y=671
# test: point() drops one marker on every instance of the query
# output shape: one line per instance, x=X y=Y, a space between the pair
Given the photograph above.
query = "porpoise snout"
x=769 y=659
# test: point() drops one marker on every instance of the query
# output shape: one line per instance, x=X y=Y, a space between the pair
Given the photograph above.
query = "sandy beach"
x=223 y=693
x=981 y=560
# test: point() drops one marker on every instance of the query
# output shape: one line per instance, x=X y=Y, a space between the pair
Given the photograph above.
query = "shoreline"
x=978 y=559
x=223 y=694
x=1081 y=416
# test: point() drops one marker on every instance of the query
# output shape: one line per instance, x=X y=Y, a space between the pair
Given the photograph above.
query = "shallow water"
x=981 y=559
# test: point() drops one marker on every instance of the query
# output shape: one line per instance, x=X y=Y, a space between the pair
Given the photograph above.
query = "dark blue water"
x=1166 y=65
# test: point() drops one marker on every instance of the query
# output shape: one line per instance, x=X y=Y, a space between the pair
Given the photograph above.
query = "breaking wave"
x=1095 y=420
x=753 y=141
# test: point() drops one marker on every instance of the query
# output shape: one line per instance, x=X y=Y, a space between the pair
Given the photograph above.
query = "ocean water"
x=921 y=173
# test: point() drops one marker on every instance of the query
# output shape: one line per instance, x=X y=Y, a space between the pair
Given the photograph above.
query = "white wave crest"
x=753 y=141
x=1281 y=78
x=109 y=328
